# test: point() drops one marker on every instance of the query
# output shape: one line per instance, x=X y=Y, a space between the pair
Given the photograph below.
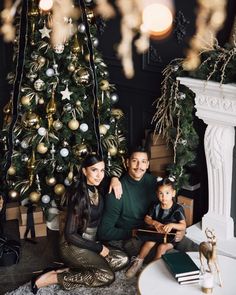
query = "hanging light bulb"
x=45 y=4
x=157 y=17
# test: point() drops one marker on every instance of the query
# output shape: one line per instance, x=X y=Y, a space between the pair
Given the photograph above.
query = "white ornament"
x=58 y=48
x=114 y=97
x=42 y=131
x=81 y=28
x=83 y=127
x=64 y=152
x=66 y=93
x=39 y=85
x=67 y=182
x=45 y=199
x=24 y=144
x=49 y=72
x=45 y=32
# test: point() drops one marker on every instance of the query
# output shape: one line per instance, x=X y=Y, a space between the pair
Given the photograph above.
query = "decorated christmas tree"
x=64 y=109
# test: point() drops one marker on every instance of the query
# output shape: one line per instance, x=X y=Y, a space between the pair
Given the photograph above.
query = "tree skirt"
x=119 y=287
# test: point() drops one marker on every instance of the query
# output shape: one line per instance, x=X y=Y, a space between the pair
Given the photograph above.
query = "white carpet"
x=121 y=286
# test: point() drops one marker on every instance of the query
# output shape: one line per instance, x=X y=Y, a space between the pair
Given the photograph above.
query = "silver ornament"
x=49 y=72
x=42 y=131
x=67 y=107
x=95 y=42
x=81 y=28
x=59 y=168
x=67 y=182
x=24 y=144
x=64 y=152
x=45 y=199
x=24 y=158
x=114 y=97
x=83 y=127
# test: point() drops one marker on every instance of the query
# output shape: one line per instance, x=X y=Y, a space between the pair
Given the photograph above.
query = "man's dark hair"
x=138 y=149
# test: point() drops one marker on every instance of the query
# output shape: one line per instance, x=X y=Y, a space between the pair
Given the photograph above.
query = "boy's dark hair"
x=138 y=149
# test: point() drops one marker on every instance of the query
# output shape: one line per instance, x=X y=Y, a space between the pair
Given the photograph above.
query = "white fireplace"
x=216 y=106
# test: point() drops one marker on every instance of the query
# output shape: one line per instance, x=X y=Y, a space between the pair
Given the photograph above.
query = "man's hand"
x=116 y=186
x=179 y=235
x=168 y=227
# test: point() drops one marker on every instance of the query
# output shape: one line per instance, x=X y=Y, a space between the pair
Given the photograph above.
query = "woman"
x=90 y=262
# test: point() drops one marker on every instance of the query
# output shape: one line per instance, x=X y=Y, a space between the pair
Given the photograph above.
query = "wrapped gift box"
x=37 y=215
x=40 y=230
x=12 y=211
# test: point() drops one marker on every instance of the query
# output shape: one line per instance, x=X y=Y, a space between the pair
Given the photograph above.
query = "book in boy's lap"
x=180 y=264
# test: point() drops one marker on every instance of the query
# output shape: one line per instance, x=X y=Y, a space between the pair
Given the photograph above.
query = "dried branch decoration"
x=210 y=18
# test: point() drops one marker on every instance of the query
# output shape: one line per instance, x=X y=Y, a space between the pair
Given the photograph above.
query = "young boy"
x=164 y=216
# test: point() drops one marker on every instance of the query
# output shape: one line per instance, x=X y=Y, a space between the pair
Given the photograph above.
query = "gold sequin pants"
x=89 y=268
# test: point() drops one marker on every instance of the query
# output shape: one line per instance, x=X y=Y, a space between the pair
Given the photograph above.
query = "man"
x=123 y=215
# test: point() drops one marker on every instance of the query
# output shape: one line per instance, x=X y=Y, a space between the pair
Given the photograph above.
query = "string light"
x=157 y=20
x=45 y=4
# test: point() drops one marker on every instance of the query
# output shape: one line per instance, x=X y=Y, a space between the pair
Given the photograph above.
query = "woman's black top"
x=72 y=234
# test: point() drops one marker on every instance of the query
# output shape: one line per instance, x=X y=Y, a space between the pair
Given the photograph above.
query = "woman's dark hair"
x=80 y=196
x=166 y=181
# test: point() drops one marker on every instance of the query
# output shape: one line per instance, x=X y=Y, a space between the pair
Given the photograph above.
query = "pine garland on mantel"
x=174 y=116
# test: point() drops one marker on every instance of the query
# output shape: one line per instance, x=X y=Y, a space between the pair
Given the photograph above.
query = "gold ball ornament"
x=82 y=76
x=41 y=60
x=51 y=181
x=112 y=150
x=102 y=129
x=80 y=150
x=121 y=152
x=104 y=85
x=30 y=120
x=25 y=100
x=71 y=67
x=117 y=113
x=34 y=197
x=73 y=124
x=13 y=194
x=11 y=170
x=42 y=148
x=57 y=125
x=59 y=189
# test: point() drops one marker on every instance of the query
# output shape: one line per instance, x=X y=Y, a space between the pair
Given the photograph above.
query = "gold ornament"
x=57 y=125
x=31 y=167
x=34 y=10
x=103 y=129
x=80 y=150
x=51 y=109
x=42 y=148
x=117 y=113
x=71 y=67
x=59 y=189
x=25 y=100
x=112 y=150
x=82 y=76
x=8 y=113
x=13 y=194
x=90 y=16
x=104 y=85
x=11 y=170
x=30 y=120
x=34 y=197
x=73 y=124
x=41 y=61
x=121 y=152
x=51 y=181
x=76 y=46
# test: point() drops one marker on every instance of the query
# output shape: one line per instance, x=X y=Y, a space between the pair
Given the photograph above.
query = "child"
x=165 y=216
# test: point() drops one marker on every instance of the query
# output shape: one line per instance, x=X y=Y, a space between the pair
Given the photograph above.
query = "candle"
x=207 y=283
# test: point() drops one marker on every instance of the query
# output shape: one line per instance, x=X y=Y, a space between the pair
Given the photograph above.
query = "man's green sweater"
x=123 y=215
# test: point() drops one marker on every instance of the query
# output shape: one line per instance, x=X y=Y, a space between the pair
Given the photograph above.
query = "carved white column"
x=216 y=106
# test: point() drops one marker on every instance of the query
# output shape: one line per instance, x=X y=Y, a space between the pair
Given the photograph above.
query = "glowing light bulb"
x=157 y=20
x=45 y=4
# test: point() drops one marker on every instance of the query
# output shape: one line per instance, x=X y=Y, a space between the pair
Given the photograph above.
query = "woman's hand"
x=105 y=251
x=116 y=186
x=158 y=226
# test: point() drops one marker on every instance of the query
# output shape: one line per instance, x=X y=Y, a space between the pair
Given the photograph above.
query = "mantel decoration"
x=174 y=116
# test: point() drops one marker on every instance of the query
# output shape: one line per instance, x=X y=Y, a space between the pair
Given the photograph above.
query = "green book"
x=180 y=264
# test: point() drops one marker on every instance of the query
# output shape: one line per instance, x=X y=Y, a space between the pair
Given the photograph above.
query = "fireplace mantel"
x=216 y=106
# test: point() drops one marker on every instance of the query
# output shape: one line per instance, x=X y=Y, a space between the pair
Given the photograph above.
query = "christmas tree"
x=65 y=107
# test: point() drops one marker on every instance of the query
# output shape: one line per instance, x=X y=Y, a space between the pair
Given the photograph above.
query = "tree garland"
x=174 y=116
